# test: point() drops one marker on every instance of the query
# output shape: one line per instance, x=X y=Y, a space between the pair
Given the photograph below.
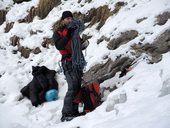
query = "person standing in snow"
x=67 y=41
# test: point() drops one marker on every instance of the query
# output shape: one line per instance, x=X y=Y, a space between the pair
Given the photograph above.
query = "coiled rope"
x=78 y=60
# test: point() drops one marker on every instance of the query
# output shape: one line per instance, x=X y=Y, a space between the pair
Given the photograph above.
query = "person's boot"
x=82 y=113
x=75 y=109
x=67 y=117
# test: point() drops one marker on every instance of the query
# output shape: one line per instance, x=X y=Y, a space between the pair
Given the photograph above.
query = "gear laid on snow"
x=89 y=95
x=51 y=95
x=43 y=80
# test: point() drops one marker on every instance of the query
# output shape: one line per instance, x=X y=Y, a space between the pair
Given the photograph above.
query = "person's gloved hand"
x=70 y=32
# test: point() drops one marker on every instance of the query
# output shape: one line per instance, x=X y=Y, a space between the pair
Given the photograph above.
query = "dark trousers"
x=73 y=78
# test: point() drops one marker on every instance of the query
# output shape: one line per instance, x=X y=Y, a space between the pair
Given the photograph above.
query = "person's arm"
x=60 y=43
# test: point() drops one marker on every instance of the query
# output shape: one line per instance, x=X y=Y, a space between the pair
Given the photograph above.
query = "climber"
x=67 y=41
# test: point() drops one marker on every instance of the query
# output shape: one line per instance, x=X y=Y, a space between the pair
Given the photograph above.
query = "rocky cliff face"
x=97 y=17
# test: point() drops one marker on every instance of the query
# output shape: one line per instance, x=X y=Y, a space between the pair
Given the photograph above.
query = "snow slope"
x=145 y=88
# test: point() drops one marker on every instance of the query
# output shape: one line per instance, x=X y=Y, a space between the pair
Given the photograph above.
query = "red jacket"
x=67 y=49
x=63 y=43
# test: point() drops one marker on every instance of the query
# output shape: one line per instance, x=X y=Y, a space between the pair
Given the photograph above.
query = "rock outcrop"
x=102 y=72
x=155 y=49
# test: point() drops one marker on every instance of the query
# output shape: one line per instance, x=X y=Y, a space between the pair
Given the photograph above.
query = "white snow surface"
x=146 y=86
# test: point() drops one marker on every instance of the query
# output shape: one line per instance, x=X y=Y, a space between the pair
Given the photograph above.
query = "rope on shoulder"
x=78 y=60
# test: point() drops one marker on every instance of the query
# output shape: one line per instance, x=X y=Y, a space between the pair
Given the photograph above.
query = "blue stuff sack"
x=51 y=95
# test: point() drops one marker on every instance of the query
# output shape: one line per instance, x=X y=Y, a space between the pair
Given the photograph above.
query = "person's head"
x=66 y=17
